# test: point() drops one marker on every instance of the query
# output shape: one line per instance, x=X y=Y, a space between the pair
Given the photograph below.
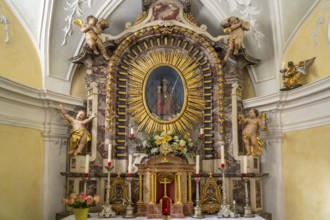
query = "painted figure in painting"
x=92 y=29
x=235 y=27
x=79 y=135
x=252 y=142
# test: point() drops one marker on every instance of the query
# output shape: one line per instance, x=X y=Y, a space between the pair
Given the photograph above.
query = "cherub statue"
x=235 y=27
x=291 y=75
x=252 y=142
x=79 y=135
x=92 y=29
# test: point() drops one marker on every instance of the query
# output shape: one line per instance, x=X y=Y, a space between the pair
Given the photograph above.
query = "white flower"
x=169 y=132
x=176 y=138
x=156 y=137
x=154 y=150
x=182 y=143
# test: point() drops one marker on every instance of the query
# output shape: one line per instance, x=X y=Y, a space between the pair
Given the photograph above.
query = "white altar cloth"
x=94 y=217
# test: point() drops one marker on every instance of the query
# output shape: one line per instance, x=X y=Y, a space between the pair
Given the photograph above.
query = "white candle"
x=87 y=164
x=222 y=154
x=132 y=131
x=197 y=164
x=245 y=165
x=283 y=65
x=109 y=153
x=202 y=131
x=130 y=163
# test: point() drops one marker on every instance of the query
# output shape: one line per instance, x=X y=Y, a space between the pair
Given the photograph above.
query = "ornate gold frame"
x=191 y=77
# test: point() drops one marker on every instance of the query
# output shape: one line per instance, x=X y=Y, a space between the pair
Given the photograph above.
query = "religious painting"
x=165 y=11
x=164 y=93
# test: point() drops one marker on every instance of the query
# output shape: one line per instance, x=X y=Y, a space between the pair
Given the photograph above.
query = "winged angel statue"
x=291 y=75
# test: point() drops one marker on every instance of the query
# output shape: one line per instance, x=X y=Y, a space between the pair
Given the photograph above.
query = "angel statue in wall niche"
x=79 y=135
x=252 y=142
x=291 y=75
x=235 y=28
x=92 y=29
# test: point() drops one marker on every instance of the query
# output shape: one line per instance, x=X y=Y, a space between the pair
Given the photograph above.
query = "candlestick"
x=222 y=155
x=225 y=208
x=87 y=164
x=247 y=208
x=283 y=65
x=197 y=164
x=129 y=209
x=129 y=163
x=245 y=165
x=197 y=209
x=109 y=154
x=107 y=211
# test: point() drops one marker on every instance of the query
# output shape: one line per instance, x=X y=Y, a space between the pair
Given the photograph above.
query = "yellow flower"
x=179 y=147
x=159 y=141
x=167 y=138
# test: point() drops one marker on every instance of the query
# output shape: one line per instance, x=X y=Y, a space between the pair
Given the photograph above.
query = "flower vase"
x=81 y=214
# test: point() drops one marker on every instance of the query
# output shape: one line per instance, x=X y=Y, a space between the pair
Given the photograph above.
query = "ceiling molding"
x=298 y=26
x=35 y=37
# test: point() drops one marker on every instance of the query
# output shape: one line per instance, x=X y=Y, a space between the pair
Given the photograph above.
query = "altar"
x=165 y=89
x=94 y=217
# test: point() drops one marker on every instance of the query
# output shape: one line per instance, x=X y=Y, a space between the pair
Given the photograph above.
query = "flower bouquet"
x=168 y=142
x=81 y=203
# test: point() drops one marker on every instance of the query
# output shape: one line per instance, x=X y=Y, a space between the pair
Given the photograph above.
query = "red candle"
x=166 y=206
x=131 y=136
x=201 y=133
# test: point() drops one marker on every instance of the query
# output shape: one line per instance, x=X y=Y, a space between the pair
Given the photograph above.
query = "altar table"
x=94 y=217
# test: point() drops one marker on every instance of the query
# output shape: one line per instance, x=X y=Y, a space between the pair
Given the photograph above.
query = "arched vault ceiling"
x=49 y=24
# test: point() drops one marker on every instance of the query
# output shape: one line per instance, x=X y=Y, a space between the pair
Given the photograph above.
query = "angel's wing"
x=303 y=65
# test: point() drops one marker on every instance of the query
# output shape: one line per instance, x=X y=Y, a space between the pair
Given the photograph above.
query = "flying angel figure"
x=291 y=75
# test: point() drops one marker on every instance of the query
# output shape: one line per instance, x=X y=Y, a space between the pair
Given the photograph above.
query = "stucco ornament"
x=74 y=9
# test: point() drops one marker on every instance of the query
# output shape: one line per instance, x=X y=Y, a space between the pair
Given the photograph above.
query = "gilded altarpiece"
x=166 y=73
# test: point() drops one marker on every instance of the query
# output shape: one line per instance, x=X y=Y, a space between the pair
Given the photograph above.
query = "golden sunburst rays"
x=192 y=79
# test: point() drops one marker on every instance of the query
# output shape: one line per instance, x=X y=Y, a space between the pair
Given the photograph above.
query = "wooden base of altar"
x=155 y=210
x=165 y=176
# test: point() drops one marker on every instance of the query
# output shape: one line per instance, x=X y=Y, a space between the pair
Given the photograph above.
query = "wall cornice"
x=24 y=106
x=304 y=107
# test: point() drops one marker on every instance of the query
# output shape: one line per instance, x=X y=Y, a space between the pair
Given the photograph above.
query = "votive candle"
x=131 y=133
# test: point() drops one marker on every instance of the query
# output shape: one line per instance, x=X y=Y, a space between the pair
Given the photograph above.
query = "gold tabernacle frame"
x=191 y=55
